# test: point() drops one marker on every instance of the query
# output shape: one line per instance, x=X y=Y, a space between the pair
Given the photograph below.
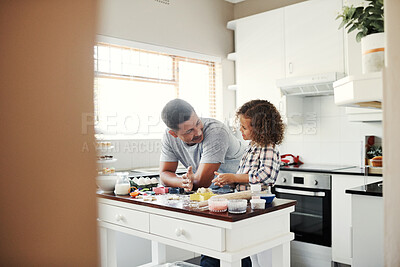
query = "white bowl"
x=106 y=182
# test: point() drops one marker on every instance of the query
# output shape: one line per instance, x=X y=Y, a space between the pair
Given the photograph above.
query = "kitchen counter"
x=228 y=237
x=332 y=169
x=374 y=189
x=178 y=205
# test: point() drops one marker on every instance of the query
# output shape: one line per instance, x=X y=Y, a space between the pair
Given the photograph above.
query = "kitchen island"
x=228 y=237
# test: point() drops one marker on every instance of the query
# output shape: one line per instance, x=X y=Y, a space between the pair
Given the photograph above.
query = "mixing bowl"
x=106 y=182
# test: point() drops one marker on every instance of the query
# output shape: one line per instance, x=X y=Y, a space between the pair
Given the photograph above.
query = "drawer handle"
x=179 y=231
x=119 y=217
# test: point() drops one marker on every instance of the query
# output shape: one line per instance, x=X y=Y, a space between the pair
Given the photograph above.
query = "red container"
x=160 y=190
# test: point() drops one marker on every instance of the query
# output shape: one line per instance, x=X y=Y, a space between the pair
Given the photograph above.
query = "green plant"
x=374 y=151
x=366 y=19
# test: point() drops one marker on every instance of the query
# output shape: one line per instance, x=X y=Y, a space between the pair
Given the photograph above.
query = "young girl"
x=261 y=123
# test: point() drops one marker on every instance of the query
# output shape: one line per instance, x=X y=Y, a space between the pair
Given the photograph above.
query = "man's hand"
x=187 y=179
x=223 y=179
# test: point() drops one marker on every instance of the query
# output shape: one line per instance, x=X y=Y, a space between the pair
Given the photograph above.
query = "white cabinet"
x=297 y=40
x=259 y=56
x=367 y=218
x=188 y=232
x=341 y=215
x=313 y=43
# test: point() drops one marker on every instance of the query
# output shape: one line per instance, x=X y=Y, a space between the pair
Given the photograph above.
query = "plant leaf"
x=359 y=36
x=352 y=28
x=342 y=24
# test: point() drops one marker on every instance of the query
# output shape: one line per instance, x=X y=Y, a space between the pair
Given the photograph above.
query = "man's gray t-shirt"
x=218 y=146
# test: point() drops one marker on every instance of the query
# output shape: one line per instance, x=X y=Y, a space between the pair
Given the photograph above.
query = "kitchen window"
x=132 y=85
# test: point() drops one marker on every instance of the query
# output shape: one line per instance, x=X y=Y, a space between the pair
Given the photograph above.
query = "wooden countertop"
x=182 y=206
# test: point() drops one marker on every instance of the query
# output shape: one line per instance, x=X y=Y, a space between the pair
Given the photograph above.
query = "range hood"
x=313 y=85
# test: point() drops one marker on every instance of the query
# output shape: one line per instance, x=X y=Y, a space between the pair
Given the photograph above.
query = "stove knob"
x=315 y=182
x=284 y=180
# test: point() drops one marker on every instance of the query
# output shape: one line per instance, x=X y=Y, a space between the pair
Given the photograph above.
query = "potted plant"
x=368 y=19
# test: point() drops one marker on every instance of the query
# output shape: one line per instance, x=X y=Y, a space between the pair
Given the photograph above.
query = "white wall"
x=320 y=132
x=193 y=25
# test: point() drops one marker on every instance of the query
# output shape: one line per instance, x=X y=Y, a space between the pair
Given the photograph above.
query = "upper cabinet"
x=259 y=57
x=302 y=39
x=313 y=43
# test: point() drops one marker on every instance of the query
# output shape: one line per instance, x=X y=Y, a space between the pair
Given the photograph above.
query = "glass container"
x=122 y=185
x=237 y=205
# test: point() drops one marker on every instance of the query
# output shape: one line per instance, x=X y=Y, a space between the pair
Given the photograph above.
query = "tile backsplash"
x=320 y=133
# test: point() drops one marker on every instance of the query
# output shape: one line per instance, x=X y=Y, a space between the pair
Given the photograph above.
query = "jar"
x=218 y=204
x=237 y=205
x=122 y=185
x=257 y=204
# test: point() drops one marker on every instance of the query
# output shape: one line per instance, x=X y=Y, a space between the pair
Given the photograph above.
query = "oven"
x=311 y=220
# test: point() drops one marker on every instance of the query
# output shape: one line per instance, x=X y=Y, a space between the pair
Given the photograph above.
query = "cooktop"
x=322 y=167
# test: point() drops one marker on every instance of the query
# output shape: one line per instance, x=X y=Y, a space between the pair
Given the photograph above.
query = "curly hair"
x=266 y=121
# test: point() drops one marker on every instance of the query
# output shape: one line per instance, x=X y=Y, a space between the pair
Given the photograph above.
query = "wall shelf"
x=232 y=56
x=232 y=87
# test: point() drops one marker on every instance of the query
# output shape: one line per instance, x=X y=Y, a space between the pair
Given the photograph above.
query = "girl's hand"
x=223 y=179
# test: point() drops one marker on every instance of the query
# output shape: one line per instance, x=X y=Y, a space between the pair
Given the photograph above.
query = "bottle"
x=122 y=185
x=255 y=190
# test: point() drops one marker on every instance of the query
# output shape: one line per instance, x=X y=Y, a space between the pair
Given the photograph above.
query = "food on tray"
x=202 y=194
x=107 y=170
x=105 y=157
x=103 y=144
x=203 y=190
x=173 y=197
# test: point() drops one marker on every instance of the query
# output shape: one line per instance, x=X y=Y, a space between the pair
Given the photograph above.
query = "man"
x=203 y=145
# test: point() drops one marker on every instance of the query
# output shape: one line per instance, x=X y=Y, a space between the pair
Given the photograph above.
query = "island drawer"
x=189 y=232
x=124 y=217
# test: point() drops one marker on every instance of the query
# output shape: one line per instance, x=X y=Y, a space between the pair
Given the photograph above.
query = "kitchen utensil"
x=106 y=182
